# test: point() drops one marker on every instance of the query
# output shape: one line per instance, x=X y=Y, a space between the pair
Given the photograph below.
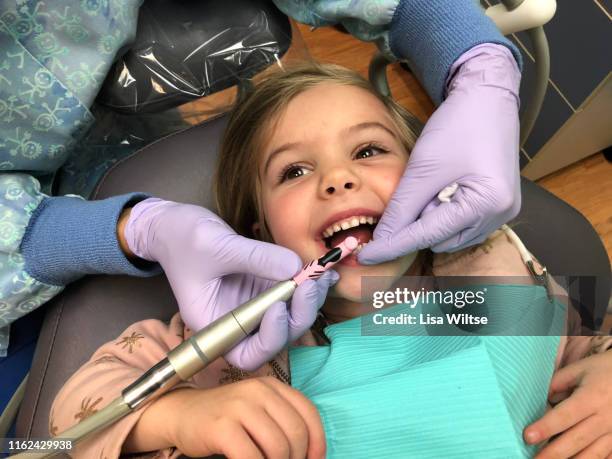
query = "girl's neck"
x=340 y=309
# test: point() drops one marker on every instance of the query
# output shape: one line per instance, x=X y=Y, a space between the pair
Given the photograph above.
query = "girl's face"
x=333 y=160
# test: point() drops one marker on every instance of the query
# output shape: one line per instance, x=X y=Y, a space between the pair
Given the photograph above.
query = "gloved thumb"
x=306 y=301
x=416 y=190
x=261 y=259
x=262 y=346
x=435 y=226
x=436 y=220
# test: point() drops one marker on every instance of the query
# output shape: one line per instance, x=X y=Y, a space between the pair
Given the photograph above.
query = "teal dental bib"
x=421 y=396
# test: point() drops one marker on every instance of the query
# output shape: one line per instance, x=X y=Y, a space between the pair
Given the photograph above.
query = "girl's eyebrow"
x=370 y=124
x=281 y=149
x=356 y=127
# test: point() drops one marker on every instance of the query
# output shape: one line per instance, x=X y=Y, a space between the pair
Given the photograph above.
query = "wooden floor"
x=586 y=185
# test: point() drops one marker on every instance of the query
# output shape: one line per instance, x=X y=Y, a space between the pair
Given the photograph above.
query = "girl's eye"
x=369 y=151
x=292 y=172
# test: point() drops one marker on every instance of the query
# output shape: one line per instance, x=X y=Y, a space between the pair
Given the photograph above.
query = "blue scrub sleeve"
x=432 y=34
x=47 y=242
x=68 y=237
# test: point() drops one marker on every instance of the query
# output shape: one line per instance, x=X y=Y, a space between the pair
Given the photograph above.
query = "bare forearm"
x=155 y=428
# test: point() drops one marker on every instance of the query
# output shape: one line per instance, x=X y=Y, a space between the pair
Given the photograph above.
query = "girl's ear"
x=256 y=228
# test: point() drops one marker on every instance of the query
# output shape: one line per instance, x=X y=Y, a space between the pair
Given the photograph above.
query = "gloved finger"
x=457 y=242
x=198 y=312
x=469 y=236
x=405 y=205
x=262 y=259
x=306 y=301
x=445 y=195
x=473 y=236
x=408 y=200
x=422 y=180
x=445 y=221
x=269 y=340
x=433 y=205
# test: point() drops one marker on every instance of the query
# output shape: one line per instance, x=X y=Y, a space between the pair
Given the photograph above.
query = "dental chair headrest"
x=189 y=49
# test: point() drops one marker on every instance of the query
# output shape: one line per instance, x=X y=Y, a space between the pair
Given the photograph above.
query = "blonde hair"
x=236 y=184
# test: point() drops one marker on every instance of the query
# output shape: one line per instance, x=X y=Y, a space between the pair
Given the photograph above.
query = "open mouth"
x=358 y=226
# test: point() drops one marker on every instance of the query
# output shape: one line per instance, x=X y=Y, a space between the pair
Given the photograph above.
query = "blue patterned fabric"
x=20 y=293
x=54 y=56
x=428 y=35
x=368 y=20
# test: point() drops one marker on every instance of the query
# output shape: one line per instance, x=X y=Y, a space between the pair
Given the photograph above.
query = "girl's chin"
x=349 y=286
x=345 y=291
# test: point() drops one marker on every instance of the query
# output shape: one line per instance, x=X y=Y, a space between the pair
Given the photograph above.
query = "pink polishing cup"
x=316 y=268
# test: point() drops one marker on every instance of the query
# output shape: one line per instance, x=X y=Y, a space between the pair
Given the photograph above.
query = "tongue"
x=362 y=232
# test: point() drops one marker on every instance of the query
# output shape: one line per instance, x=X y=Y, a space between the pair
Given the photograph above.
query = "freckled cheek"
x=387 y=182
x=287 y=217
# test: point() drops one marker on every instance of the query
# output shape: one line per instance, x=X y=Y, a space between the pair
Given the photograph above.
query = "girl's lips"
x=361 y=211
x=351 y=261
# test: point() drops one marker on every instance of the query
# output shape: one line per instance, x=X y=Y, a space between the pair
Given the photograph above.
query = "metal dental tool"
x=195 y=353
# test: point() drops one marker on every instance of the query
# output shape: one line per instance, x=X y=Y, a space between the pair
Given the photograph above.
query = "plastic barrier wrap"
x=188 y=62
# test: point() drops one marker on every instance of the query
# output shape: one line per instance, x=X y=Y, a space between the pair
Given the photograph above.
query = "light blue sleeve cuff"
x=432 y=34
x=68 y=237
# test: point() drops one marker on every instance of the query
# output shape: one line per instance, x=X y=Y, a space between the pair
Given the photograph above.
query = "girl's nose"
x=332 y=189
x=338 y=181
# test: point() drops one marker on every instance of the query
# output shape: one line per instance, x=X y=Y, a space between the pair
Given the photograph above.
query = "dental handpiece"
x=224 y=333
x=220 y=336
x=197 y=352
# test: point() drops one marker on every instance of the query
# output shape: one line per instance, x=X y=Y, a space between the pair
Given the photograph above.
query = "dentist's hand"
x=471 y=139
x=211 y=270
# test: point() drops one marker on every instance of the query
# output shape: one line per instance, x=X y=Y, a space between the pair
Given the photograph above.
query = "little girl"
x=312 y=156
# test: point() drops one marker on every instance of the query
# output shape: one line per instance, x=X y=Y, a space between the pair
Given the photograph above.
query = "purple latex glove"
x=472 y=139
x=211 y=270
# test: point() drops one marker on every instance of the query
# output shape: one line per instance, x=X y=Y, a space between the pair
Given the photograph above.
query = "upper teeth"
x=347 y=223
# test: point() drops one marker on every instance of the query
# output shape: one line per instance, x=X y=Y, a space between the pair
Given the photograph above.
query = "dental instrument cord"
x=542 y=278
x=195 y=353
x=539 y=84
x=527 y=257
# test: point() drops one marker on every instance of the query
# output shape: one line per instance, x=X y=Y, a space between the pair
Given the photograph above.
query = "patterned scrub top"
x=54 y=56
